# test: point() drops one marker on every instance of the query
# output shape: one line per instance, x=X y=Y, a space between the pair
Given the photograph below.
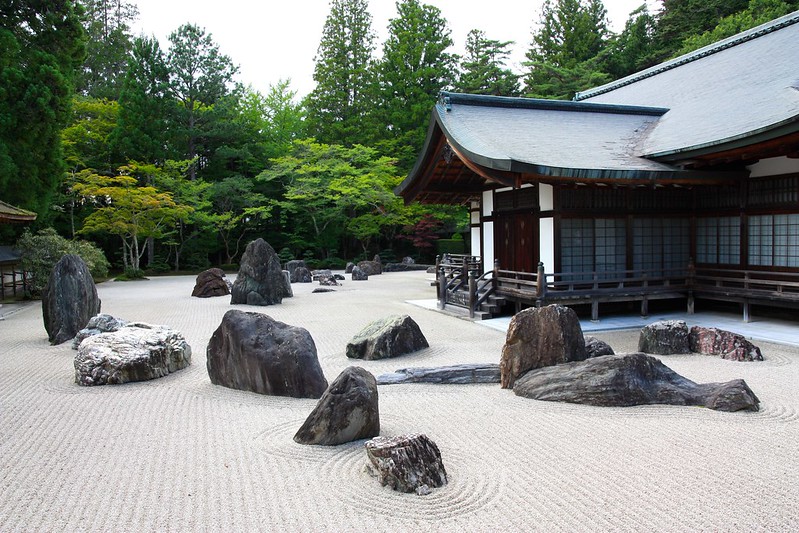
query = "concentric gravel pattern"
x=181 y=454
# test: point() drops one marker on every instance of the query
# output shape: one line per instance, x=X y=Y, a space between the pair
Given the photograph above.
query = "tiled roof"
x=739 y=88
x=9 y=213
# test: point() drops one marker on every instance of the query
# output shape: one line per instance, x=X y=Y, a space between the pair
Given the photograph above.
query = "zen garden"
x=439 y=292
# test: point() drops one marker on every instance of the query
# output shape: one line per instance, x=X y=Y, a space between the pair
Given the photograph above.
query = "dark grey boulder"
x=595 y=347
x=100 y=323
x=407 y=260
x=322 y=289
x=69 y=299
x=347 y=411
x=211 y=283
x=301 y=275
x=630 y=379
x=664 y=338
x=539 y=337
x=358 y=274
x=324 y=273
x=388 y=337
x=445 y=375
x=372 y=268
x=253 y=352
x=725 y=344
x=136 y=352
x=260 y=280
x=406 y=463
x=293 y=265
x=349 y=268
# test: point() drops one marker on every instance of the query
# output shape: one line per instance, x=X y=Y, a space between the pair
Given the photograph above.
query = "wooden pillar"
x=442 y=288
x=472 y=292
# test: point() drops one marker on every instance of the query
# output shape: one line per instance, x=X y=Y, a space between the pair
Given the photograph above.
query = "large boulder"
x=253 y=352
x=301 y=275
x=446 y=375
x=726 y=344
x=665 y=337
x=371 y=268
x=406 y=463
x=539 y=337
x=388 y=337
x=210 y=283
x=260 y=280
x=69 y=299
x=630 y=379
x=358 y=274
x=347 y=411
x=293 y=265
x=136 y=352
x=100 y=323
x=349 y=267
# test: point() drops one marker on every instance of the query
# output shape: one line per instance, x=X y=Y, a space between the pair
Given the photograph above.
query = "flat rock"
x=447 y=375
x=260 y=280
x=69 y=299
x=539 y=337
x=347 y=411
x=665 y=337
x=392 y=336
x=406 y=463
x=254 y=352
x=630 y=379
x=211 y=283
x=322 y=289
x=132 y=353
x=100 y=323
x=725 y=344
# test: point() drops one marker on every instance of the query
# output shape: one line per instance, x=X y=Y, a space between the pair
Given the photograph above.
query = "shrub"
x=40 y=253
x=131 y=274
x=285 y=255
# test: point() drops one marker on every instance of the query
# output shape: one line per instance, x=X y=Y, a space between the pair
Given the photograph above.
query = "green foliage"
x=483 y=68
x=414 y=68
x=340 y=101
x=42 y=250
x=285 y=255
x=108 y=27
x=86 y=139
x=681 y=19
x=756 y=13
x=450 y=246
x=131 y=274
x=41 y=46
x=634 y=48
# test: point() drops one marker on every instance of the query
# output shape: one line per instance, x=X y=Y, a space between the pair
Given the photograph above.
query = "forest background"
x=164 y=162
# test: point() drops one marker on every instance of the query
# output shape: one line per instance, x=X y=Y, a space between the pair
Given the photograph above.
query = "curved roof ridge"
x=729 y=42
x=446 y=99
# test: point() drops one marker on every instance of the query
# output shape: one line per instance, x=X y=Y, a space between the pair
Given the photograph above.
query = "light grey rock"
x=69 y=299
x=406 y=463
x=630 y=379
x=538 y=337
x=347 y=411
x=454 y=374
x=136 y=352
x=100 y=323
x=665 y=337
x=254 y=352
x=391 y=336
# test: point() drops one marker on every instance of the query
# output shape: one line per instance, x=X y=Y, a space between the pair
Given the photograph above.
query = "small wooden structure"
x=13 y=280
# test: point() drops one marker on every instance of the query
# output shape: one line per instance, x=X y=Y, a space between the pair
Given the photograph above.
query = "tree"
x=571 y=35
x=282 y=118
x=238 y=209
x=107 y=24
x=331 y=188
x=199 y=77
x=340 y=101
x=414 y=68
x=41 y=46
x=483 y=68
x=145 y=107
x=128 y=210
x=680 y=19
x=634 y=48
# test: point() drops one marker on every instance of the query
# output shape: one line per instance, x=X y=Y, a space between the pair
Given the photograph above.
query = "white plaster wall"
x=475 y=241
x=545 y=197
x=488 y=203
x=488 y=245
x=546 y=240
x=773 y=166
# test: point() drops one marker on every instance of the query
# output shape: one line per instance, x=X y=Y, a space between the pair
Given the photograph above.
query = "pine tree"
x=414 y=68
x=483 y=68
x=340 y=101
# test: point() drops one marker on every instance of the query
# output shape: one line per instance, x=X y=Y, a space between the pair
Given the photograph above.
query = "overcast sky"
x=277 y=39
